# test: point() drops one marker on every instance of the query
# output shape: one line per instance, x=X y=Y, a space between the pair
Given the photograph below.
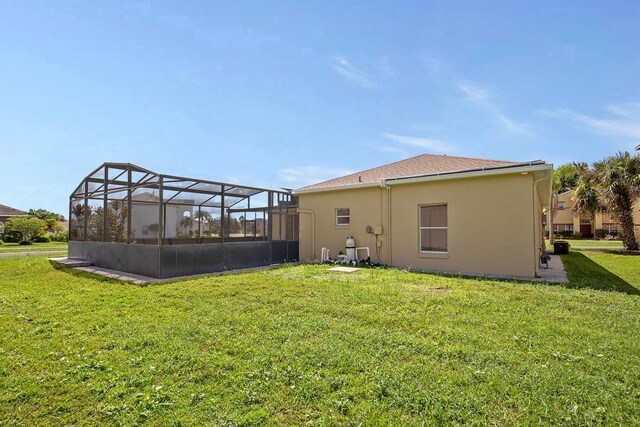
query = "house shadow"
x=584 y=273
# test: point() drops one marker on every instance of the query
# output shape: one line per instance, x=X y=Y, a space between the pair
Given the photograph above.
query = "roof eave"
x=337 y=188
x=534 y=167
x=472 y=174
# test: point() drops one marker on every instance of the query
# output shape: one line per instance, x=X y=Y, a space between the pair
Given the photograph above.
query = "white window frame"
x=421 y=227
x=348 y=216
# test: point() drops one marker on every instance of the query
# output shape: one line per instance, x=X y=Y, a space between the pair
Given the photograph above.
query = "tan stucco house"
x=433 y=213
x=566 y=218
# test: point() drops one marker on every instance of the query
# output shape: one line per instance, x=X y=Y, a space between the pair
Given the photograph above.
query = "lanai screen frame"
x=100 y=185
x=118 y=195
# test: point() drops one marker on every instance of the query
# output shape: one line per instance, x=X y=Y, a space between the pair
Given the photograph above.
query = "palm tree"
x=586 y=201
x=618 y=180
x=202 y=217
x=565 y=177
x=187 y=223
x=78 y=211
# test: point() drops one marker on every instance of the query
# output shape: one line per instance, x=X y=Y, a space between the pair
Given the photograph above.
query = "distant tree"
x=51 y=218
x=586 y=200
x=29 y=227
x=214 y=226
x=117 y=221
x=203 y=218
x=565 y=177
x=77 y=226
x=96 y=224
x=187 y=223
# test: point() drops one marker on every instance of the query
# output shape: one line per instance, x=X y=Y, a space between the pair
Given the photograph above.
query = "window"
x=1 y=227
x=562 y=227
x=560 y=206
x=610 y=227
x=343 y=216
x=433 y=228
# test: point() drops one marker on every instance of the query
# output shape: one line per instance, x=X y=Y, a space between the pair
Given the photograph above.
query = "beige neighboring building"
x=433 y=213
x=566 y=218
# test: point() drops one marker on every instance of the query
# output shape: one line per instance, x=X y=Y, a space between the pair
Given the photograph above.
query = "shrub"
x=28 y=227
x=11 y=236
x=61 y=236
x=25 y=242
x=577 y=235
x=42 y=239
x=565 y=233
x=600 y=233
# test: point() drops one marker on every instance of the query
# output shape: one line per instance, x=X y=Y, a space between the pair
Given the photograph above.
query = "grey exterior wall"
x=183 y=260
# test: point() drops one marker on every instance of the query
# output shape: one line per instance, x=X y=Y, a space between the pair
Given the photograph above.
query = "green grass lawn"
x=36 y=247
x=604 y=270
x=302 y=345
x=586 y=243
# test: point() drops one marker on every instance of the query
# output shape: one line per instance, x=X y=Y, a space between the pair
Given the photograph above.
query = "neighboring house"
x=7 y=212
x=566 y=219
x=433 y=213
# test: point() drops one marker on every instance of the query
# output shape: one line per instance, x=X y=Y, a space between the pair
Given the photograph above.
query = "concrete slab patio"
x=555 y=273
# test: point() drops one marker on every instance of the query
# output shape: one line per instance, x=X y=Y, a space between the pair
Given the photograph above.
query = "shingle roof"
x=9 y=211
x=423 y=165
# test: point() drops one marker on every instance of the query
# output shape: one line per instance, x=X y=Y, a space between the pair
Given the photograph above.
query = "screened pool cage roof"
x=115 y=180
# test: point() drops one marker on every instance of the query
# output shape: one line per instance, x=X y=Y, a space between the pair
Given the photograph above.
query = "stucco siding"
x=367 y=207
x=490 y=224
x=482 y=238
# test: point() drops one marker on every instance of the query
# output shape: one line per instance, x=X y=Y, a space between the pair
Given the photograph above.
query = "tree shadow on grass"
x=584 y=273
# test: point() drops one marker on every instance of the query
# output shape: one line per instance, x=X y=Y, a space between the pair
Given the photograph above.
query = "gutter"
x=531 y=167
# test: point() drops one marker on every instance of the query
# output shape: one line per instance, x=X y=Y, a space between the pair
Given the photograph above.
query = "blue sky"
x=288 y=93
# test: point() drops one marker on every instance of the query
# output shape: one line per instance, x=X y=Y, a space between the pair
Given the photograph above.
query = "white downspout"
x=313 y=230
x=536 y=263
x=383 y=184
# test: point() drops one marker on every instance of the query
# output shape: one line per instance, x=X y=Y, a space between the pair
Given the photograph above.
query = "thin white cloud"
x=300 y=176
x=391 y=149
x=347 y=70
x=481 y=98
x=431 y=144
x=624 y=123
x=628 y=110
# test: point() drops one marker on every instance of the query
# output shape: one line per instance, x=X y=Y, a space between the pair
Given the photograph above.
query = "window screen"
x=433 y=228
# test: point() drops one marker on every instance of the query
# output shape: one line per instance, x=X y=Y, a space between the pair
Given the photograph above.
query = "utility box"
x=560 y=247
x=377 y=230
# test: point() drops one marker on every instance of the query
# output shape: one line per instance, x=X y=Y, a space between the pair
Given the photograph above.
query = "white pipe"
x=313 y=230
x=536 y=263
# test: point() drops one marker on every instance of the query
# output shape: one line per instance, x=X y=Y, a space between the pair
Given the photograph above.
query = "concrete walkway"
x=119 y=275
x=555 y=273
x=137 y=279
